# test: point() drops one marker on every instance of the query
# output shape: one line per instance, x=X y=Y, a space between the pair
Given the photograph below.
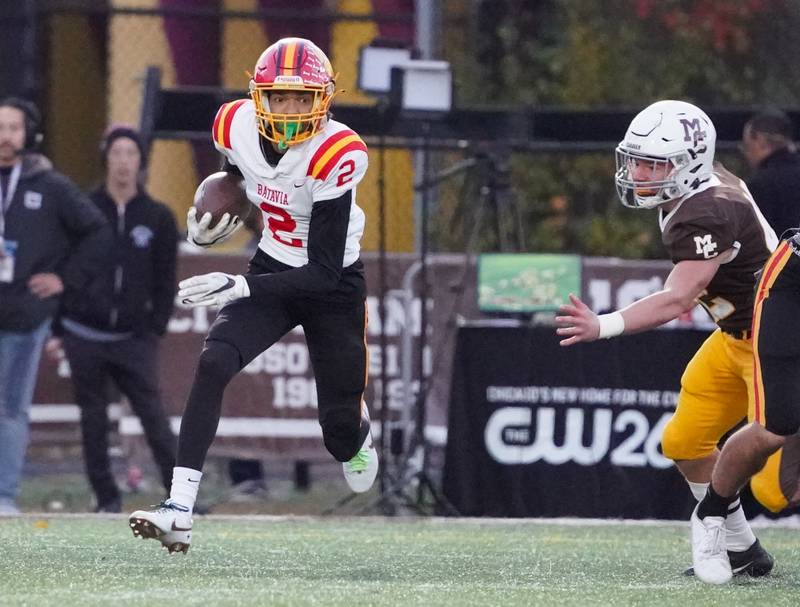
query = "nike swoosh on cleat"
x=741 y=567
x=191 y=480
x=176 y=528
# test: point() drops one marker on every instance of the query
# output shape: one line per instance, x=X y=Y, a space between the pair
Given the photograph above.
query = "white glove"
x=214 y=289
x=199 y=232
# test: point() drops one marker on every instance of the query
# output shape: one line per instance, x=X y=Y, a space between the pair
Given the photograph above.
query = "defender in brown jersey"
x=776 y=346
x=718 y=241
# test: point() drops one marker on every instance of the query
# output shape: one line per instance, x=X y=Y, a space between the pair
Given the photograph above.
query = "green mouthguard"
x=291 y=130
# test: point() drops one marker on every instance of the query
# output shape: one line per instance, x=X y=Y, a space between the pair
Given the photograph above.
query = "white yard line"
x=791 y=522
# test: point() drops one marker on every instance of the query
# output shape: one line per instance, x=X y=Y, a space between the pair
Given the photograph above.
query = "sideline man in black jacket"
x=49 y=232
x=111 y=332
x=768 y=147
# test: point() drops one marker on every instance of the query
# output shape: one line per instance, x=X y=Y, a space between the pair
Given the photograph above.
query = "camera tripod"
x=411 y=488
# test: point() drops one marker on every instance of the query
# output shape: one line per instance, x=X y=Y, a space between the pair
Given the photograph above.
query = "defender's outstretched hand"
x=214 y=289
x=577 y=321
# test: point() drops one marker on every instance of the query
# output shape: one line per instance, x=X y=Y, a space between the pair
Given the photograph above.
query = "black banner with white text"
x=536 y=429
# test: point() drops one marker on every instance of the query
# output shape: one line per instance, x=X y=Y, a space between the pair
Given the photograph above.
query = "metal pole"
x=423 y=312
x=426 y=21
x=151 y=88
x=426 y=37
x=406 y=353
x=382 y=288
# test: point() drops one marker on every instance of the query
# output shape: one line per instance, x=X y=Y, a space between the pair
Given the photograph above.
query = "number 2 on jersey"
x=346 y=172
x=279 y=219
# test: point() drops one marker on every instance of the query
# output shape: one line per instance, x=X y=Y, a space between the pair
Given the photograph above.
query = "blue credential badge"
x=8 y=253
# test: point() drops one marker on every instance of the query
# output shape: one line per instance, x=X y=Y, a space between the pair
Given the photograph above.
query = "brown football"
x=221 y=193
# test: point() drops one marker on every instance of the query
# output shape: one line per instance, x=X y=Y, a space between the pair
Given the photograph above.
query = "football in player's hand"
x=221 y=193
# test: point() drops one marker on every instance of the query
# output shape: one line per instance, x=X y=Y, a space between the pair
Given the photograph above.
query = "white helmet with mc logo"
x=677 y=139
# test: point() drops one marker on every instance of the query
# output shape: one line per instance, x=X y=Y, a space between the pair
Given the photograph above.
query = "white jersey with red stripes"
x=322 y=168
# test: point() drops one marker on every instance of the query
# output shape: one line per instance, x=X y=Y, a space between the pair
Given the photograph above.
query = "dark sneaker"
x=110 y=506
x=755 y=562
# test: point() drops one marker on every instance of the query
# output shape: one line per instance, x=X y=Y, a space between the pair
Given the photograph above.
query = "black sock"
x=713 y=504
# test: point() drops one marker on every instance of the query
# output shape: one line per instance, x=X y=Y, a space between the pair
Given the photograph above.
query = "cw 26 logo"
x=508 y=437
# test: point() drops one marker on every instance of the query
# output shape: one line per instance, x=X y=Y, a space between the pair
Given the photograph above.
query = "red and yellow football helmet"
x=297 y=65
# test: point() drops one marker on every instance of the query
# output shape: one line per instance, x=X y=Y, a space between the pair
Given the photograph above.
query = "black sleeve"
x=89 y=234
x=165 y=250
x=759 y=190
x=327 y=235
x=231 y=168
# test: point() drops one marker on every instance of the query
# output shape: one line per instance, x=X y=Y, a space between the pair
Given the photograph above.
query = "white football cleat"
x=709 y=552
x=169 y=523
x=361 y=470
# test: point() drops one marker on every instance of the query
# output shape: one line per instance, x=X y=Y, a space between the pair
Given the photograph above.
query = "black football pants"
x=334 y=327
x=132 y=364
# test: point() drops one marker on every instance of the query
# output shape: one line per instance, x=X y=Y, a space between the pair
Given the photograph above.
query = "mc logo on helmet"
x=692 y=130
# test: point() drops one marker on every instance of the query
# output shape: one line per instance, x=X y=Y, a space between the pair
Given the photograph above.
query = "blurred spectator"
x=49 y=232
x=111 y=331
x=768 y=146
x=247 y=475
x=247 y=478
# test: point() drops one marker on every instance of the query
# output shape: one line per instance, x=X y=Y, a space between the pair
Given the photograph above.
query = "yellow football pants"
x=716 y=394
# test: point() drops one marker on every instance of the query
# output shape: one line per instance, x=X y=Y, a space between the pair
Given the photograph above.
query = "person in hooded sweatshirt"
x=113 y=333
x=51 y=236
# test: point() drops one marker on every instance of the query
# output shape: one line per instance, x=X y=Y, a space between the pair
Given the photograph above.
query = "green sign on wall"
x=520 y=282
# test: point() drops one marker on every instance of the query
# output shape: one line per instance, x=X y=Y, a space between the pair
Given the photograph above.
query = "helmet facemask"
x=660 y=188
x=290 y=129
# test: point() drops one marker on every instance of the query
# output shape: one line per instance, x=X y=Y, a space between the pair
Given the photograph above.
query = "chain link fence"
x=95 y=55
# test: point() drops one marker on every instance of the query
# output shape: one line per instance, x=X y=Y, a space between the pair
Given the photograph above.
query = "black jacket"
x=775 y=187
x=57 y=230
x=136 y=290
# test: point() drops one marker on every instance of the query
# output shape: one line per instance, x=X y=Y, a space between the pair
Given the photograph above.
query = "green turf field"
x=81 y=560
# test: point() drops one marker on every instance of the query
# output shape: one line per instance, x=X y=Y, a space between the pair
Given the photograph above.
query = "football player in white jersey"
x=301 y=169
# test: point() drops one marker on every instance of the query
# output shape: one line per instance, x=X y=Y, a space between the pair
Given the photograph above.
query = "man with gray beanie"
x=111 y=332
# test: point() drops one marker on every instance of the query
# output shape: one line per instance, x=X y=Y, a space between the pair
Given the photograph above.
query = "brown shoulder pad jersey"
x=708 y=224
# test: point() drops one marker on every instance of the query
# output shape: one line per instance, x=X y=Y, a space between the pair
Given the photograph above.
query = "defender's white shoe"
x=361 y=470
x=169 y=523
x=709 y=553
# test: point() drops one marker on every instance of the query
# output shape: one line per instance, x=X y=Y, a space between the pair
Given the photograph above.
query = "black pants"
x=132 y=365
x=777 y=346
x=334 y=326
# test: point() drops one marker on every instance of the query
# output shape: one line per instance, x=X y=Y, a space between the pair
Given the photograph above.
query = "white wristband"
x=242 y=288
x=611 y=325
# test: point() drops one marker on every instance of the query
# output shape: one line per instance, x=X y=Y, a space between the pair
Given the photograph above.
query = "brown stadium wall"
x=203 y=50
